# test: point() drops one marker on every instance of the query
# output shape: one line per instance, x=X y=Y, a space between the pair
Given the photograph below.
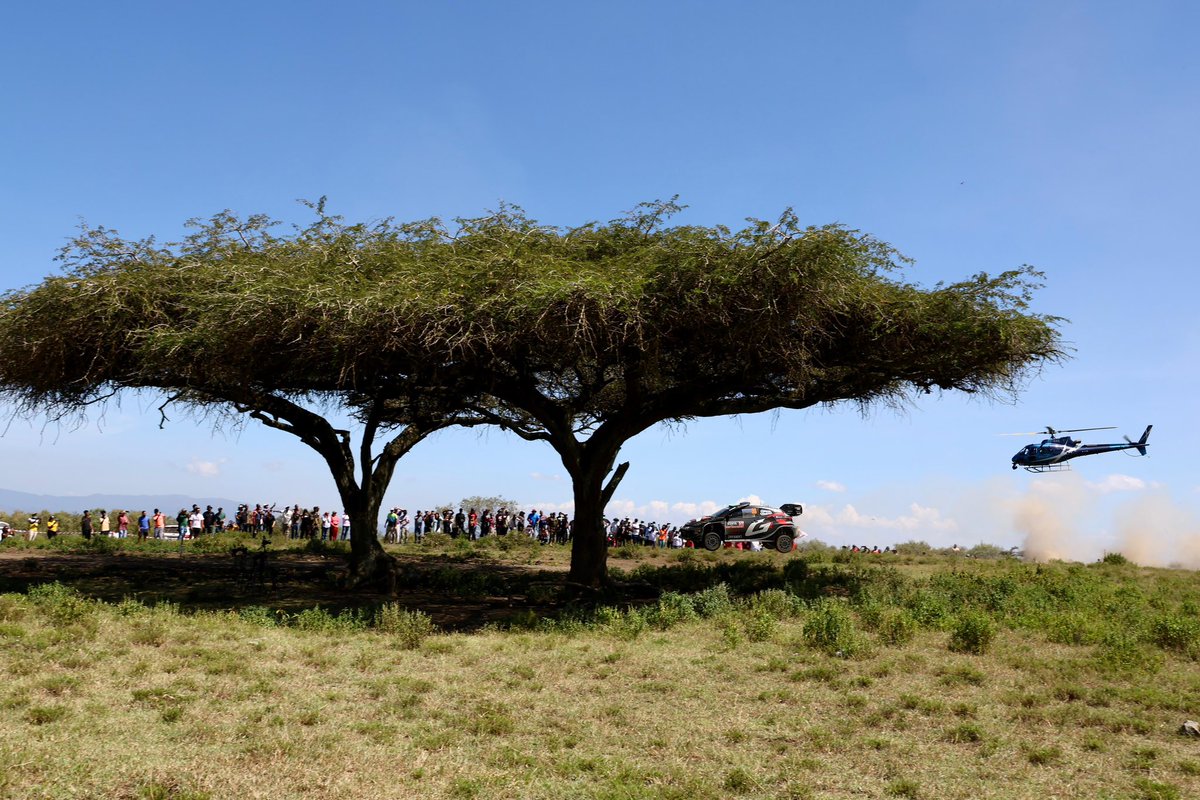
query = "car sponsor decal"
x=737 y=523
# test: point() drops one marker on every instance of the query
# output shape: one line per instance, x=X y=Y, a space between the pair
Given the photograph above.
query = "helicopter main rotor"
x=1055 y=431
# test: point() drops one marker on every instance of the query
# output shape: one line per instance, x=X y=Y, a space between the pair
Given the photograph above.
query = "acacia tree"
x=296 y=331
x=609 y=329
x=580 y=337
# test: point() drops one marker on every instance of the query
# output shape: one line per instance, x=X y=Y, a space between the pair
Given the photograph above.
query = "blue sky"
x=972 y=136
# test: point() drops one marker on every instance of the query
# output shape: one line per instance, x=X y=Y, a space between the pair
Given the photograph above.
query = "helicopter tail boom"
x=1140 y=444
x=1142 y=441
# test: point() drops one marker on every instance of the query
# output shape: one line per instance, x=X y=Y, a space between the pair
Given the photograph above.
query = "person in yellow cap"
x=51 y=527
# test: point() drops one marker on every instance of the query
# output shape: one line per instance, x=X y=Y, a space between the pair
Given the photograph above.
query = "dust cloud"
x=1071 y=520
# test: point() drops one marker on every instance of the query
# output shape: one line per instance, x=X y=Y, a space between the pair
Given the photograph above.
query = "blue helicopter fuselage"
x=1056 y=450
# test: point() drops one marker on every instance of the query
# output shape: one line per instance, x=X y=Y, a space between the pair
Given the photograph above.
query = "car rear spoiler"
x=791 y=509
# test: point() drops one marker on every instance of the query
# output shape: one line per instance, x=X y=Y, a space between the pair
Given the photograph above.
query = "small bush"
x=258 y=615
x=896 y=626
x=437 y=541
x=777 y=603
x=1120 y=652
x=830 y=628
x=1115 y=558
x=760 y=625
x=1176 y=632
x=318 y=619
x=409 y=627
x=972 y=632
x=673 y=608
x=713 y=602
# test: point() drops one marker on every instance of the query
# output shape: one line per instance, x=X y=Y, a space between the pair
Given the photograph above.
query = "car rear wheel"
x=712 y=540
x=783 y=543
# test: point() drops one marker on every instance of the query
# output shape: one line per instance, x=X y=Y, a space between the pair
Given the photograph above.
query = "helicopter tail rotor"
x=1141 y=443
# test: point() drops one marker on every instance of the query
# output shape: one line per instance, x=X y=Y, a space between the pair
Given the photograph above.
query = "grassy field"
x=751 y=675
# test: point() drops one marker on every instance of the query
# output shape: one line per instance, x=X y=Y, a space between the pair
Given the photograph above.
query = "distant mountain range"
x=11 y=500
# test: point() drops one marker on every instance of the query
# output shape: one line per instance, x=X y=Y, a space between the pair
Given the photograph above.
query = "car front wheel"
x=783 y=543
x=712 y=540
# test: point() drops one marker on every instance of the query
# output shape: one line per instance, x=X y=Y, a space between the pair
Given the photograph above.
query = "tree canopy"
x=581 y=337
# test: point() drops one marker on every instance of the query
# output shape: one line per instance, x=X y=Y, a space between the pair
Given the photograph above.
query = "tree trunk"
x=589 y=540
x=369 y=562
x=589 y=544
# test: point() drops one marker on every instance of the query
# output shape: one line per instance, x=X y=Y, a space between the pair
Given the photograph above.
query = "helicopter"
x=1053 y=453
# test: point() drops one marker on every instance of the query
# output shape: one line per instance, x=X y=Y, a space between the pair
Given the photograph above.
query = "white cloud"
x=1117 y=483
x=831 y=486
x=541 y=476
x=920 y=518
x=205 y=469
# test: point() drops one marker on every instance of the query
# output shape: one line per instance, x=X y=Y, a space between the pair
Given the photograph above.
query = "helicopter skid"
x=1049 y=468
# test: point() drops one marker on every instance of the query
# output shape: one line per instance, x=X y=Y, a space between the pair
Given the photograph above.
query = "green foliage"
x=319 y=620
x=830 y=628
x=897 y=626
x=1116 y=559
x=1179 y=632
x=972 y=632
x=713 y=602
x=409 y=627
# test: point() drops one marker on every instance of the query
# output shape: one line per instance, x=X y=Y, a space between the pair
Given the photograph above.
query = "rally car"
x=745 y=522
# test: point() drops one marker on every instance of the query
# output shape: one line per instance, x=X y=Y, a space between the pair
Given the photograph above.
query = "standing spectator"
x=143 y=527
x=473 y=523
x=85 y=525
x=402 y=526
x=485 y=523
x=181 y=520
x=345 y=527
x=221 y=518
x=122 y=524
x=160 y=524
x=210 y=520
x=51 y=527
x=502 y=522
x=34 y=522
x=325 y=527
x=389 y=526
x=196 y=522
x=460 y=523
x=335 y=526
x=105 y=529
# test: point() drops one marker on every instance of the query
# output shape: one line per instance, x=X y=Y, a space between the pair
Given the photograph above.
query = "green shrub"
x=1121 y=652
x=258 y=615
x=318 y=619
x=1115 y=558
x=830 y=628
x=972 y=632
x=929 y=609
x=777 y=603
x=1072 y=627
x=410 y=628
x=672 y=609
x=897 y=626
x=437 y=541
x=60 y=603
x=713 y=602
x=1176 y=632
x=760 y=624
